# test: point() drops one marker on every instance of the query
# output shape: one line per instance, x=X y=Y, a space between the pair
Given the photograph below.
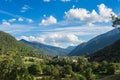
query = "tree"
x=111 y=69
x=66 y=70
x=82 y=64
x=115 y=21
x=89 y=74
x=35 y=69
x=95 y=66
x=78 y=77
x=55 y=72
x=10 y=69
x=103 y=67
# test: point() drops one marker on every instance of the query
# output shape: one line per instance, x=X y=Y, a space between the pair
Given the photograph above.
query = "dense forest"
x=15 y=67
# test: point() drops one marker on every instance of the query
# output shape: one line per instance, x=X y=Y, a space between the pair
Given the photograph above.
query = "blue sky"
x=59 y=23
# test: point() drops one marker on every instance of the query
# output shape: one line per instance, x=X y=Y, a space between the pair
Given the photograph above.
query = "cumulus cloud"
x=64 y=37
x=29 y=20
x=6 y=23
x=14 y=20
x=20 y=19
x=25 y=8
x=55 y=39
x=48 y=21
x=82 y=14
x=59 y=36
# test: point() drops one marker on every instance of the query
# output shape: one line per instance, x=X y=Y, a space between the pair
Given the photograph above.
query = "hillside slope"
x=96 y=43
x=110 y=53
x=50 y=50
x=9 y=43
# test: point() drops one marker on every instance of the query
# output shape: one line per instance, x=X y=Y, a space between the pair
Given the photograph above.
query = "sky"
x=60 y=23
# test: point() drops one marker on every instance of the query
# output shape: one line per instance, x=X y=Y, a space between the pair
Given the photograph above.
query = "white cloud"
x=16 y=17
x=25 y=8
x=59 y=36
x=55 y=39
x=15 y=29
x=90 y=17
x=29 y=20
x=6 y=23
x=46 y=0
x=20 y=19
x=12 y=20
x=65 y=0
x=64 y=37
x=48 y=21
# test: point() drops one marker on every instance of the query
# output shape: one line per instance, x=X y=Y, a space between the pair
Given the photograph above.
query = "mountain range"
x=96 y=46
x=96 y=43
x=49 y=50
x=70 y=48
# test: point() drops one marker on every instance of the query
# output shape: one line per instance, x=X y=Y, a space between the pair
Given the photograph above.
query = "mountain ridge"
x=9 y=43
x=50 y=50
x=109 y=53
x=96 y=43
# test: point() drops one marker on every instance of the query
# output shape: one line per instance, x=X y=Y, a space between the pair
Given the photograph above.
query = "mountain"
x=70 y=48
x=9 y=44
x=96 y=43
x=110 y=53
x=50 y=50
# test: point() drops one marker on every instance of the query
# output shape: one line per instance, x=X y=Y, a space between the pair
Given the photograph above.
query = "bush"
x=111 y=69
x=35 y=69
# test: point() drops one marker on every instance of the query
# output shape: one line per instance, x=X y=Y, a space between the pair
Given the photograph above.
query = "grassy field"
x=31 y=60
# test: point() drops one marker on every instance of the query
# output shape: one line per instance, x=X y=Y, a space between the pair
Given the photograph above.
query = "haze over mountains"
x=50 y=50
x=70 y=48
x=96 y=43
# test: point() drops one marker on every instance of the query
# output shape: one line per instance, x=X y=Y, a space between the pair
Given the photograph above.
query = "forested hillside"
x=110 y=53
x=96 y=43
x=10 y=44
x=49 y=50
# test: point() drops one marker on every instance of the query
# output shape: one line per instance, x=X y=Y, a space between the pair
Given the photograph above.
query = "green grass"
x=31 y=60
